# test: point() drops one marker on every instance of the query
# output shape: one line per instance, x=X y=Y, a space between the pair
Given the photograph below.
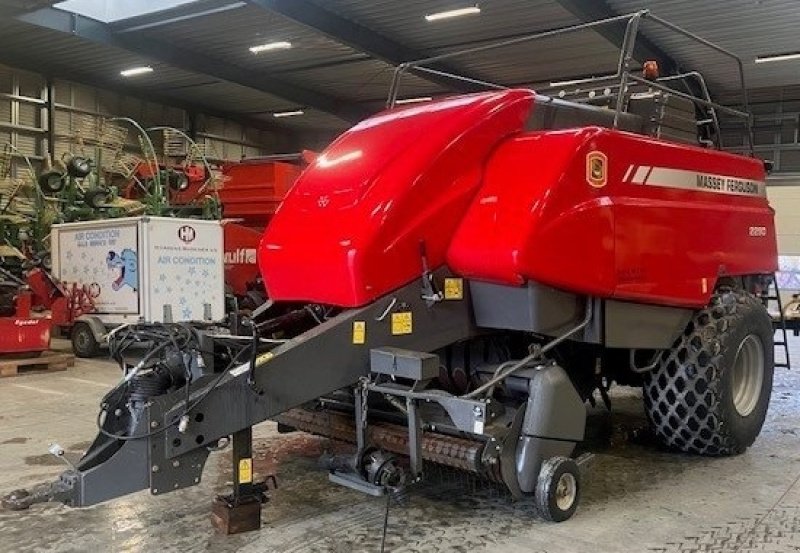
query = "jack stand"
x=241 y=511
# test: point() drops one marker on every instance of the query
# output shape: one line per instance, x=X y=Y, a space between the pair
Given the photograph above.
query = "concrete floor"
x=636 y=499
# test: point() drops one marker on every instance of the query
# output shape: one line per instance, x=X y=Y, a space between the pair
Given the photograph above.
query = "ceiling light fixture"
x=288 y=113
x=280 y=45
x=453 y=13
x=778 y=57
x=133 y=71
x=413 y=100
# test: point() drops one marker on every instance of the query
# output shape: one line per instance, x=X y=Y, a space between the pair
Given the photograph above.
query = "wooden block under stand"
x=48 y=361
x=235 y=519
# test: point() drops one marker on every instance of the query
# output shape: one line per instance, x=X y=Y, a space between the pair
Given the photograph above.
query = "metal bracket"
x=355 y=482
x=167 y=474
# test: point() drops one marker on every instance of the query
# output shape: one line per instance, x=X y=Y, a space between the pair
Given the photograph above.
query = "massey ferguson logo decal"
x=669 y=177
x=597 y=169
x=323 y=201
x=187 y=234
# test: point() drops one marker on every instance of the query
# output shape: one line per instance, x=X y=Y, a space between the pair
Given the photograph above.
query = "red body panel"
x=254 y=189
x=350 y=229
x=537 y=217
x=659 y=224
x=23 y=333
x=241 y=244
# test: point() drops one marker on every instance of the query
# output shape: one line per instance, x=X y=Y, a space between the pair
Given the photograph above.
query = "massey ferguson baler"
x=452 y=282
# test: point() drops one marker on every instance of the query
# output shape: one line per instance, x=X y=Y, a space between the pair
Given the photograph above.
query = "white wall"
x=784 y=197
x=785 y=200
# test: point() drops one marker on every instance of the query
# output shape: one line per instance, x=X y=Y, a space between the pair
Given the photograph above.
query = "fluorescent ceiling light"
x=288 y=113
x=413 y=100
x=133 y=71
x=452 y=13
x=280 y=45
x=778 y=57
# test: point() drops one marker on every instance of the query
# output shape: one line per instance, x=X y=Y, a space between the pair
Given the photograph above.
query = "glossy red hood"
x=350 y=229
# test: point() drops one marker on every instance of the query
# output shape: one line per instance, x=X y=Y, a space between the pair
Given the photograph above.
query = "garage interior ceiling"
x=343 y=52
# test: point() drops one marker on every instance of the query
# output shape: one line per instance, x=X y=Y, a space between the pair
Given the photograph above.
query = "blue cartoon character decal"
x=125 y=262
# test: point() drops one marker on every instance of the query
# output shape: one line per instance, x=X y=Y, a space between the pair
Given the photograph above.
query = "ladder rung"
x=780 y=343
x=782 y=365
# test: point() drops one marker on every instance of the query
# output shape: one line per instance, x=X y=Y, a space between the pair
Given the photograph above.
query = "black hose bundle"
x=164 y=368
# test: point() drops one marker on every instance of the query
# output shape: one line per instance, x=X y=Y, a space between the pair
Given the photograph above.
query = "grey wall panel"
x=80 y=107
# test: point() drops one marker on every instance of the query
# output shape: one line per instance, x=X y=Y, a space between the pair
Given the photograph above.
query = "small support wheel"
x=558 y=489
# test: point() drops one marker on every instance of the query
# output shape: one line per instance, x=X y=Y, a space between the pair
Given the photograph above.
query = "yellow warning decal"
x=359 y=332
x=264 y=357
x=245 y=471
x=454 y=288
x=402 y=323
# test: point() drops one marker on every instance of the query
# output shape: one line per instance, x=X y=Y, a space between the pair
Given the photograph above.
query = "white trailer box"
x=141 y=268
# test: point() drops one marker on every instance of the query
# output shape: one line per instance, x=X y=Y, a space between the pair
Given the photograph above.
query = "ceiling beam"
x=49 y=69
x=644 y=49
x=156 y=50
x=175 y=14
x=361 y=38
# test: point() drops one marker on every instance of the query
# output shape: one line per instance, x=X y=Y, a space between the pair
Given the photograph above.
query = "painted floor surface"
x=636 y=498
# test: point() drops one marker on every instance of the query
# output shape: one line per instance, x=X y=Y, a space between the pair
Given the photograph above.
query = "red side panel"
x=253 y=190
x=240 y=244
x=350 y=229
x=22 y=333
x=659 y=224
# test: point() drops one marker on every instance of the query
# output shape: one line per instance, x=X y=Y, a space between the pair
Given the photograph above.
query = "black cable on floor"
x=385 y=521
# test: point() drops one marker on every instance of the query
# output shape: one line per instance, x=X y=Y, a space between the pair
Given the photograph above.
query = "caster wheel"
x=558 y=489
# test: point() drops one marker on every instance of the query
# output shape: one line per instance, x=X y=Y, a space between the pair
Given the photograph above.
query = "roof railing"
x=620 y=80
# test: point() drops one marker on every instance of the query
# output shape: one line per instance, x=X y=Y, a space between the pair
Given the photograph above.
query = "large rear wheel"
x=710 y=392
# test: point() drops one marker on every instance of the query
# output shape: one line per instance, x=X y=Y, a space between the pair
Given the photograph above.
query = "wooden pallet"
x=48 y=361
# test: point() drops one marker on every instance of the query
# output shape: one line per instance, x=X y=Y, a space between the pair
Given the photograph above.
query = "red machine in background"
x=252 y=191
x=20 y=331
x=30 y=309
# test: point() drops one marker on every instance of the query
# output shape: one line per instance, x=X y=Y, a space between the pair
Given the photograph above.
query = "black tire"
x=51 y=182
x=710 y=392
x=78 y=167
x=97 y=197
x=178 y=180
x=558 y=489
x=84 y=344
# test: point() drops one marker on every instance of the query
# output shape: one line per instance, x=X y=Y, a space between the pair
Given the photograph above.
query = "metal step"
x=779 y=324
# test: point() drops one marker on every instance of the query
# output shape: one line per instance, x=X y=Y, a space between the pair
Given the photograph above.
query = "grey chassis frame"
x=164 y=455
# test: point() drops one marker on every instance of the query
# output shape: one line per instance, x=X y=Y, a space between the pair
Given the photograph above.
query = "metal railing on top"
x=619 y=80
